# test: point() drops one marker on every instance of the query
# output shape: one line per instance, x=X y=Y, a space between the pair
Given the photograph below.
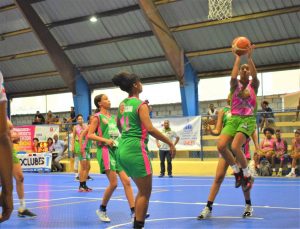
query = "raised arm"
x=145 y=119
x=235 y=73
x=252 y=68
x=91 y=133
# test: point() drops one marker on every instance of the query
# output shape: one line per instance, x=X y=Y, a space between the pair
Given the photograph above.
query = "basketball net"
x=219 y=9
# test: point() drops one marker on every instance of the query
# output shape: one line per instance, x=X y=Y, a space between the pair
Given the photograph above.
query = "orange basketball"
x=240 y=45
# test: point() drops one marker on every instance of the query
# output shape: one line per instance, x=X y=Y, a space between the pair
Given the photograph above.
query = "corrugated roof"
x=15 y=44
x=51 y=82
x=12 y=20
x=192 y=11
x=107 y=27
x=162 y=68
x=259 y=30
x=279 y=54
x=27 y=65
x=181 y=12
x=6 y=2
x=51 y=11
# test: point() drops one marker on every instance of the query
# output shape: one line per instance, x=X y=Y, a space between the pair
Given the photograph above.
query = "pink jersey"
x=268 y=144
x=243 y=101
x=78 y=130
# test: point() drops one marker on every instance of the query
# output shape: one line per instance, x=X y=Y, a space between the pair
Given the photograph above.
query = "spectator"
x=280 y=154
x=49 y=118
x=267 y=117
x=295 y=154
x=164 y=149
x=267 y=147
x=38 y=119
x=50 y=145
x=212 y=115
x=36 y=146
x=59 y=147
x=72 y=117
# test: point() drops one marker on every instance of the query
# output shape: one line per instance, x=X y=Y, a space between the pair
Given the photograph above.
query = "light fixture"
x=93 y=19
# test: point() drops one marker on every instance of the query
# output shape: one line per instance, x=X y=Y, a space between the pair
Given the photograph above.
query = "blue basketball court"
x=175 y=203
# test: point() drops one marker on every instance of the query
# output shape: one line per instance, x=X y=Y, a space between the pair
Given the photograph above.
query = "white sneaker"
x=291 y=175
x=206 y=213
x=248 y=211
x=102 y=216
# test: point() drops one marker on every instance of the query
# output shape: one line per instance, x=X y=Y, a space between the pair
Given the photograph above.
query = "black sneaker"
x=161 y=175
x=238 y=179
x=26 y=214
x=247 y=183
x=89 y=178
x=170 y=176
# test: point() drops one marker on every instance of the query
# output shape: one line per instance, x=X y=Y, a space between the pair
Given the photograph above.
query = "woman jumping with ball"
x=243 y=122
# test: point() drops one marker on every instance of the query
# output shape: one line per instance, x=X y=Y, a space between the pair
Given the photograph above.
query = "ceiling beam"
x=108 y=40
x=147 y=80
x=161 y=2
x=23 y=55
x=262 y=68
x=145 y=34
x=38 y=92
x=252 y=16
x=173 y=52
x=14 y=33
x=109 y=13
x=122 y=64
x=31 y=76
x=257 y=45
x=7 y=7
x=59 y=58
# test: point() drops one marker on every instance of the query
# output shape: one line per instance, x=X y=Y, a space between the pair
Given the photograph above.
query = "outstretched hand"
x=250 y=50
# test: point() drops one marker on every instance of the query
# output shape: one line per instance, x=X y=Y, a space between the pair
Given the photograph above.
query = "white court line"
x=198 y=203
x=181 y=218
x=225 y=185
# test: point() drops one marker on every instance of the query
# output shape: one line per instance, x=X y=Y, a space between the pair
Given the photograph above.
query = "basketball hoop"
x=219 y=9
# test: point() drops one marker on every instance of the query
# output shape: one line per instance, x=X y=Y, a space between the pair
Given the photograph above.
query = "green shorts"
x=107 y=159
x=14 y=156
x=85 y=156
x=244 y=124
x=77 y=148
x=133 y=156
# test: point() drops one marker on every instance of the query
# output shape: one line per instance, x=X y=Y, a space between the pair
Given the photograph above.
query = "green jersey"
x=128 y=116
x=108 y=127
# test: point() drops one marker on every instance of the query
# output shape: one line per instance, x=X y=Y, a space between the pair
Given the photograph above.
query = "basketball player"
x=6 y=165
x=103 y=129
x=243 y=122
x=135 y=124
x=223 y=116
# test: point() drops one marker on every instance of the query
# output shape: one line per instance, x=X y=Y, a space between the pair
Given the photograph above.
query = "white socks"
x=22 y=205
x=235 y=168
x=246 y=172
